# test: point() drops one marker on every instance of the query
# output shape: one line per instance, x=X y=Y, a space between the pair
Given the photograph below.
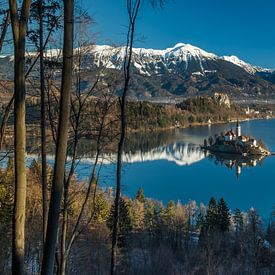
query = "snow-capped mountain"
x=148 y=61
x=151 y=61
x=183 y=71
x=170 y=74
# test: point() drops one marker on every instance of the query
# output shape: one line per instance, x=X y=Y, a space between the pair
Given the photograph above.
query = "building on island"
x=235 y=142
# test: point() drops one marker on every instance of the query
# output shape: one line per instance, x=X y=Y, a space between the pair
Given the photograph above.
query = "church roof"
x=230 y=133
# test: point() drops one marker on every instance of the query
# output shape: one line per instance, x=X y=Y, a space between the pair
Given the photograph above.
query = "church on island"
x=234 y=142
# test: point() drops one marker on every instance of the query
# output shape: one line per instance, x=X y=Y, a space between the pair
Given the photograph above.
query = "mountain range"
x=185 y=71
x=174 y=73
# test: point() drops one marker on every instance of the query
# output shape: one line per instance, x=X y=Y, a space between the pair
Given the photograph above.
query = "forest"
x=192 y=238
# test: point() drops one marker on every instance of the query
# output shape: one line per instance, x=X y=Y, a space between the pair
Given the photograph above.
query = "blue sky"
x=245 y=28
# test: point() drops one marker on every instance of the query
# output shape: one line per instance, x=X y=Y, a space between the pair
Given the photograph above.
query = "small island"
x=234 y=142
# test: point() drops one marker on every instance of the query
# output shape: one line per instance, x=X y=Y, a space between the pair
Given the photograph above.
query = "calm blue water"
x=174 y=168
x=170 y=166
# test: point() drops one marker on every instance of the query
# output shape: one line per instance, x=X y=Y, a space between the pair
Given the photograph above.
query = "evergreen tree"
x=238 y=221
x=223 y=216
x=202 y=225
x=102 y=209
x=200 y=221
x=150 y=218
x=138 y=211
x=254 y=220
x=140 y=195
x=168 y=214
x=254 y=236
x=125 y=222
x=211 y=219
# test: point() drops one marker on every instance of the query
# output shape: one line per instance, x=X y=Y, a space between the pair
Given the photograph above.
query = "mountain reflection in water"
x=180 y=153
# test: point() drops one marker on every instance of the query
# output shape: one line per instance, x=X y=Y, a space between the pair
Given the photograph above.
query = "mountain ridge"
x=185 y=70
x=174 y=73
x=181 y=51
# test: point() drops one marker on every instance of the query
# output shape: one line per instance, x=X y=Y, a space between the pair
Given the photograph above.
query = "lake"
x=170 y=165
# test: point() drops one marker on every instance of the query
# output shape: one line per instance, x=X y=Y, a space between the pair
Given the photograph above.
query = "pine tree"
x=211 y=219
x=140 y=195
x=254 y=235
x=238 y=221
x=223 y=216
x=200 y=221
x=125 y=221
x=102 y=209
x=150 y=211
x=202 y=226
x=254 y=220
x=168 y=214
x=138 y=210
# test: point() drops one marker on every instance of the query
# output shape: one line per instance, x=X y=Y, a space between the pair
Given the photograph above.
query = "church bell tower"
x=238 y=129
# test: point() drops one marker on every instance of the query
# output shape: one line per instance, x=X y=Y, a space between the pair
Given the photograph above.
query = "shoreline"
x=195 y=124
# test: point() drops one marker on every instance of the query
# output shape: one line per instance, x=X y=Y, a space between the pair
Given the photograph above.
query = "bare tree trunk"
x=4 y=29
x=132 y=8
x=62 y=140
x=19 y=28
x=43 y=122
x=7 y=111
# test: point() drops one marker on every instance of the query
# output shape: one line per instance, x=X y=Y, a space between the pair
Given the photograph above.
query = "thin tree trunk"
x=132 y=8
x=62 y=140
x=63 y=265
x=19 y=28
x=67 y=183
x=4 y=29
x=7 y=111
x=43 y=122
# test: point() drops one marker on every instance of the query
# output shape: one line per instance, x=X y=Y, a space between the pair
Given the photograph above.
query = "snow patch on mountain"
x=248 y=67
